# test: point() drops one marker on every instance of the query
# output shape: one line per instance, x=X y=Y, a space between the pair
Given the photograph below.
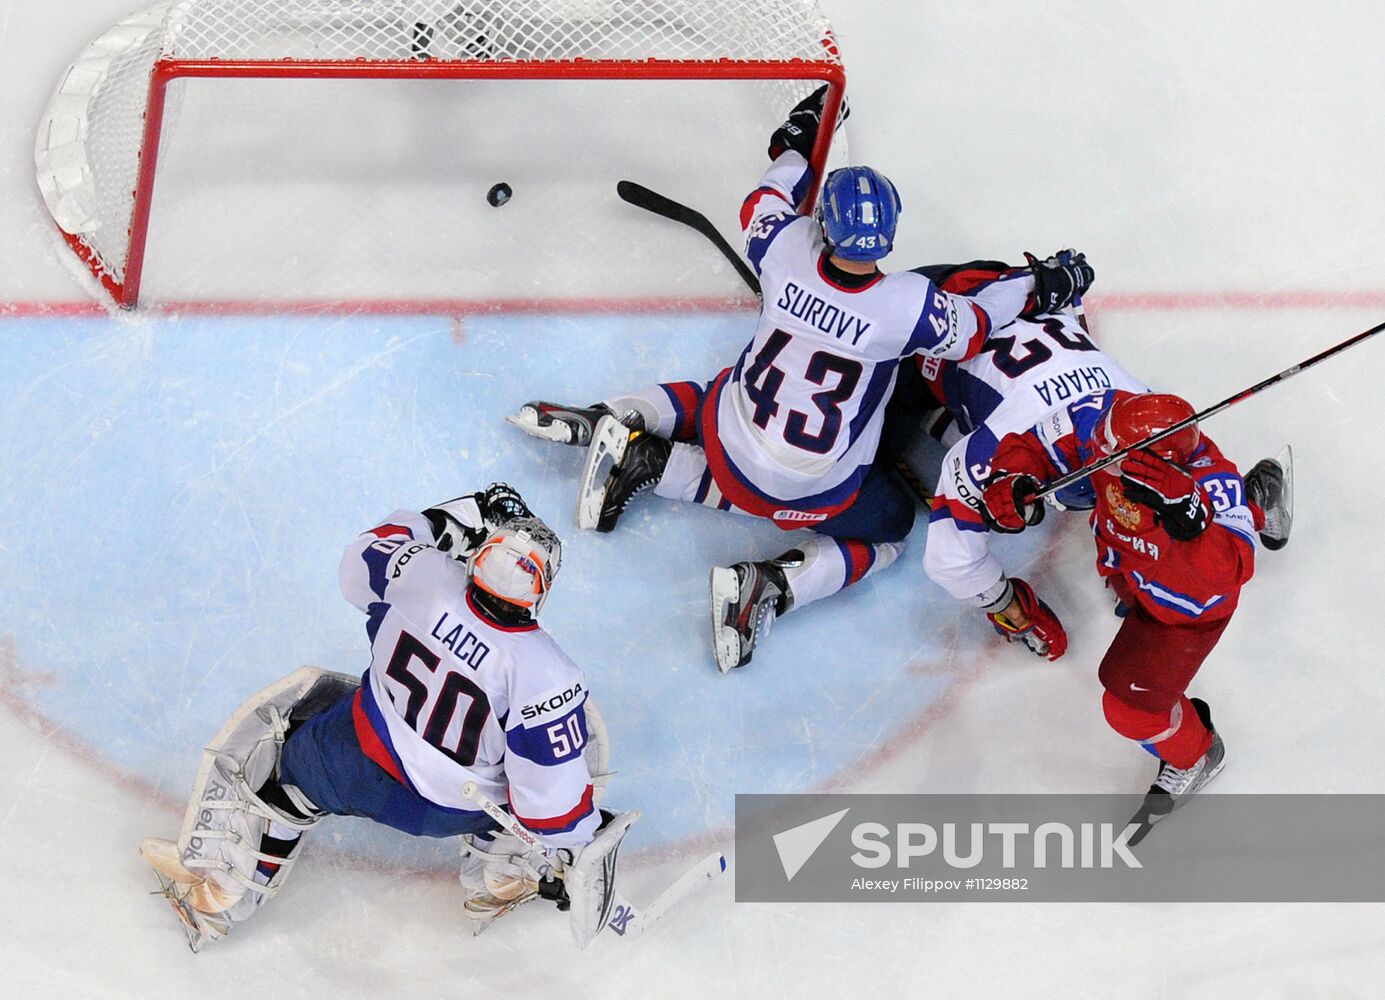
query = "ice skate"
x=197 y=900
x=1174 y=786
x=572 y=425
x=485 y=905
x=1271 y=485
x=636 y=462
x=746 y=599
x=495 y=879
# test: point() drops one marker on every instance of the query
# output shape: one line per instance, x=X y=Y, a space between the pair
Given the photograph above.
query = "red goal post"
x=97 y=150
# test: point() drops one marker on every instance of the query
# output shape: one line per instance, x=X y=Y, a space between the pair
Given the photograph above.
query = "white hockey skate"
x=561 y=424
x=745 y=599
x=496 y=877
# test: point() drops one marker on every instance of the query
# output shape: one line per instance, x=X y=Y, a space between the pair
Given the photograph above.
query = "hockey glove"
x=1178 y=502
x=800 y=131
x=1043 y=634
x=1057 y=281
x=1008 y=504
x=501 y=504
x=458 y=525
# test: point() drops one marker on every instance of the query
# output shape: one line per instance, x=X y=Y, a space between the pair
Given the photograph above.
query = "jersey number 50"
x=457 y=738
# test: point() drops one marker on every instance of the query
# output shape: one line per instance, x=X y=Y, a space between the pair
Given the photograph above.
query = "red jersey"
x=1175 y=582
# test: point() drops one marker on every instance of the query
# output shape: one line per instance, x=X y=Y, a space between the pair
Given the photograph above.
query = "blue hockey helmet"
x=859 y=211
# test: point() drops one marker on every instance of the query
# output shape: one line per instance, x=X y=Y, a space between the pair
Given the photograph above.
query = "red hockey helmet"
x=1131 y=419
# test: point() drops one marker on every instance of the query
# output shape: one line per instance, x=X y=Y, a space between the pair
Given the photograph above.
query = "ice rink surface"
x=179 y=485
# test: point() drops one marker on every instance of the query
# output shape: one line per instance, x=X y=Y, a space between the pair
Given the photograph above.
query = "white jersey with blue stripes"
x=801 y=412
x=455 y=697
x=1023 y=371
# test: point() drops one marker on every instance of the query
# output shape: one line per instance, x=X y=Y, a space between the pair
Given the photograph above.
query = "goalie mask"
x=517 y=563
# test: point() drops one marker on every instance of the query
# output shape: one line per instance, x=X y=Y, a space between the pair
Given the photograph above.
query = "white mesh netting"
x=89 y=148
x=497 y=30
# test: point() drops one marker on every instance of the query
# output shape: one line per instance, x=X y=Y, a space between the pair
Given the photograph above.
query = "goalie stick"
x=1062 y=482
x=627 y=920
x=661 y=205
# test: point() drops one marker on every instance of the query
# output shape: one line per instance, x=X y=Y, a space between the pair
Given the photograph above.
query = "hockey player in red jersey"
x=1175 y=540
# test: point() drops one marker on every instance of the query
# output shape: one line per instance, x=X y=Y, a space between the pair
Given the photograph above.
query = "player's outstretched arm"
x=365 y=565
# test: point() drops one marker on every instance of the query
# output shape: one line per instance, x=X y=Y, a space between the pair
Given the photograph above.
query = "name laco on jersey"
x=820 y=314
x=462 y=642
x=552 y=704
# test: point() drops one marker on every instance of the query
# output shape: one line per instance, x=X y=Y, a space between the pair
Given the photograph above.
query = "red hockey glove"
x=1043 y=635
x=1007 y=504
x=1177 y=500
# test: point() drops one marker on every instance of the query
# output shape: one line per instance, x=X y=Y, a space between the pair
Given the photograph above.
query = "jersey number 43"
x=764 y=382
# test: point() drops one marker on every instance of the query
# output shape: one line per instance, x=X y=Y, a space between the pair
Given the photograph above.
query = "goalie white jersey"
x=797 y=420
x=451 y=696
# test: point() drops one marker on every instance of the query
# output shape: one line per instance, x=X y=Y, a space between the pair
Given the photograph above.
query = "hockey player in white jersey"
x=1026 y=370
x=791 y=431
x=463 y=686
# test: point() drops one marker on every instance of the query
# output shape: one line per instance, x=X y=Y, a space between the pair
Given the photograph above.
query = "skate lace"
x=1176 y=780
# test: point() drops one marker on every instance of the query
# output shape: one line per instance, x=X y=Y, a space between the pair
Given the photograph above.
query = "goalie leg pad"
x=215 y=874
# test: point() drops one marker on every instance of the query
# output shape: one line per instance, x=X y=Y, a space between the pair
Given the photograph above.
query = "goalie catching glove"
x=461 y=525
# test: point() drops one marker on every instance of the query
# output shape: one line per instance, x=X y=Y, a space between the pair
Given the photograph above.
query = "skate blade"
x=176 y=897
x=726 y=642
x=482 y=919
x=1285 y=458
x=527 y=420
x=609 y=441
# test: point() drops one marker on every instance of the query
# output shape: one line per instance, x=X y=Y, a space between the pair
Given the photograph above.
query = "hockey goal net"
x=99 y=146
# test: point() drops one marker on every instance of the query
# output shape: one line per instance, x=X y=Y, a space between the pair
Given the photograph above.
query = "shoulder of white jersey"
x=409 y=568
x=931 y=317
x=545 y=683
x=1078 y=419
x=780 y=232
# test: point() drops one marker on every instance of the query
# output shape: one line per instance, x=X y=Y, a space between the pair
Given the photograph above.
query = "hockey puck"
x=499 y=194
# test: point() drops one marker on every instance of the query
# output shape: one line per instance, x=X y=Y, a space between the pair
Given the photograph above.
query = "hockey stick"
x=1063 y=482
x=627 y=920
x=651 y=201
x=661 y=205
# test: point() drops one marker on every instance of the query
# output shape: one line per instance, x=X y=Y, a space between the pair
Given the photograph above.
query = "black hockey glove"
x=501 y=504
x=800 y=131
x=1177 y=500
x=1058 y=280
